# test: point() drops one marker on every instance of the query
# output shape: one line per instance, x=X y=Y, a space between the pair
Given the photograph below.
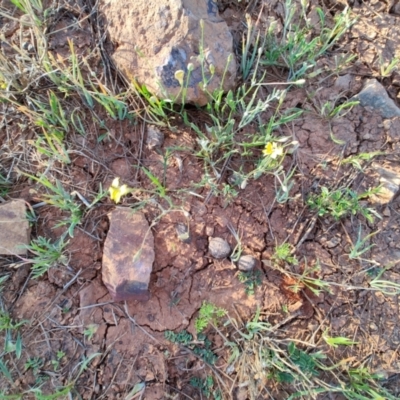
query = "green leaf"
x=155 y=181
x=337 y=341
x=136 y=389
x=18 y=346
x=4 y=370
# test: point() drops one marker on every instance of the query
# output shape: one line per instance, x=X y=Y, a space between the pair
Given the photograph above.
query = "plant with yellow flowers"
x=273 y=150
x=117 y=191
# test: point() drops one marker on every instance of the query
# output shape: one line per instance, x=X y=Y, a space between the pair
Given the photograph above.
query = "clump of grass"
x=46 y=255
x=65 y=201
x=298 y=47
x=261 y=359
x=341 y=202
x=309 y=279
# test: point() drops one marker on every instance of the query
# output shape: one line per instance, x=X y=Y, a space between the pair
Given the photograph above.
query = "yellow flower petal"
x=116 y=191
x=124 y=190
x=179 y=76
x=268 y=149
x=273 y=150
x=115 y=183
x=278 y=151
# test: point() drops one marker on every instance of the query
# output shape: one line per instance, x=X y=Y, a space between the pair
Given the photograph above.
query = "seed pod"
x=247 y=263
x=219 y=248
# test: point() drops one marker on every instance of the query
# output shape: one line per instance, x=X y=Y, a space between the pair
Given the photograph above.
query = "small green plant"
x=360 y=246
x=283 y=253
x=205 y=386
x=6 y=322
x=183 y=337
x=90 y=331
x=11 y=335
x=308 y=279
x=34 y=363
x=4 y=186
x=209 y=314
x=61 y=393
x=60 y=198
x=202 y=347
x=160 y=188
x=365 y=385
x=52 y=118
x=342 y=202
x=251 y=280
x=59 y=356
x=237 y=251
x=283 y=185
x=387 y=69
x=358 y=160
x=46 y=255
x=250 y=48
x=307 y=363
x=331 y=110
x=337 y=341
x=387 y=287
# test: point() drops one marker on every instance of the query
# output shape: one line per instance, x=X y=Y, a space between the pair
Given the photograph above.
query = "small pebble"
x=330 y=244
x=373 y=326
x=219 y=248
x=155 y=138
x=182 y=231
x=247 y=263
x=209 y=230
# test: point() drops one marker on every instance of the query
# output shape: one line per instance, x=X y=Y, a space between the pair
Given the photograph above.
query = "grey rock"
x=375 y=96
x=392 y=128
x=219 y=248
x=247 y=263
x=155 y=138
x=128 y=256
x=156 y=38
x=389 y=179
x=183 y=233
x=343 y=82
x=396 y=9
x=14 y=228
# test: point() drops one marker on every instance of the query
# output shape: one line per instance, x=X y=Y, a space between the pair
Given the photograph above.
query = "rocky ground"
x=69 y=308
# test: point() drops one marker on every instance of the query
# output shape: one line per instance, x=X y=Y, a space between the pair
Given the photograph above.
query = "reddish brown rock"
x=14 y=228
x=156 y=38
x=128 y=256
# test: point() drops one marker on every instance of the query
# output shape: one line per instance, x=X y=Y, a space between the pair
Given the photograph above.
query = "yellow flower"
x=179 y=75
x=273 y=150
x=117 y=191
